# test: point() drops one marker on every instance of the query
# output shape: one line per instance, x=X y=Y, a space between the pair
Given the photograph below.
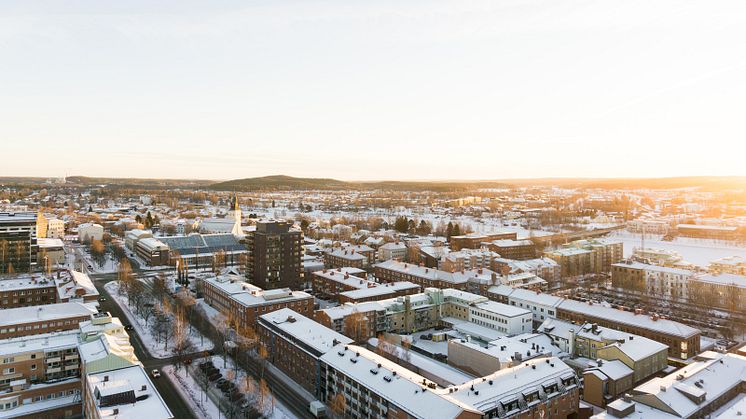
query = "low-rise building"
x=392 y=250
x=25 y=290
x=698 y=390
x=244 y=303
x=379 y=292
x=153 y=251
x=731 y=265
x=704 y=231
x=514 y=249
x=88 y=232
x=475 y=240
x=27 y=321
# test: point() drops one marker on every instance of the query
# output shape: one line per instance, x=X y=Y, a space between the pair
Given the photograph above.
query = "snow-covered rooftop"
x=148 y=404
x=316 y=336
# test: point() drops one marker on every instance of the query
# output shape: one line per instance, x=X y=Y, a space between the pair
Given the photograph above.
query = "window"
x=7 y=371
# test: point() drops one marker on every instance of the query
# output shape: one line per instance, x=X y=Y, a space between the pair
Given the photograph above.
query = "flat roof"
x=501 y=309
x=663 y=326
x=53 y=341
x=134 y=378
x=22 y=315
x=379 y=290
x=314 y=335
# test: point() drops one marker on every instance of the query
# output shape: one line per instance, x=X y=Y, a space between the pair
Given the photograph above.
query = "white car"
x=155 y=373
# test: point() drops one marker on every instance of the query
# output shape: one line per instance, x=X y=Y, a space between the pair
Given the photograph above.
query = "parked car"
x=155 y=373
x=221 y=382
x=128 y=327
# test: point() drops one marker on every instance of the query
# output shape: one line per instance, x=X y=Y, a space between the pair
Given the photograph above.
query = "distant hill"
x=137 y=182
x=281 y=182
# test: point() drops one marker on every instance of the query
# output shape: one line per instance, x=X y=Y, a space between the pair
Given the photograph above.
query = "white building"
x=55 y=228
x=393 y=250
x=541 y=305
x=504 y=318
x=90 y=231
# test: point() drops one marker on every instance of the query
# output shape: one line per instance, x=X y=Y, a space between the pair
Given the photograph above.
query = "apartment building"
x=357 y=256
x=27 y=321
x=392 y=250
x=373 y=386
x=295 y=344
x=475 y=240
x=722 y=290
x=275 y=251
x=379 y=292
x=244 y=303
x=46 y=375
x=703 y=231
x=504 y=318
x=17 y=241
x=433 y=307
x=545 y=268
x=40 y=376
x=582 y=257
x=24 y=290
x=514 y=249
x=735 y=265
x=683 y=341
x=654 y=280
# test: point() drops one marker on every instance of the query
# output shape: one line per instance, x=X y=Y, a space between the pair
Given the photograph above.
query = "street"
x=170 y=394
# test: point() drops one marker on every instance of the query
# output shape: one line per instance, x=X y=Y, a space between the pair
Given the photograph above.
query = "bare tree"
x=182 y=344
x=338 y=405
x=355 y=326
x=159 y=287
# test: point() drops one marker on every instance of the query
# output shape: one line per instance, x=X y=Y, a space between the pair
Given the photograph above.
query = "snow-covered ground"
x=192 y=392
x=697 y=251
x=155 y=348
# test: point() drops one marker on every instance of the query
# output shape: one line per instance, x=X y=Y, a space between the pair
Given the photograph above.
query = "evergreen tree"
x=401 y=224
x=449 y=230
x=424 y=228
x=456 y=230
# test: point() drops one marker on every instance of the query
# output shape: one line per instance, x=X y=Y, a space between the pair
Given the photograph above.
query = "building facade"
x=275 y=252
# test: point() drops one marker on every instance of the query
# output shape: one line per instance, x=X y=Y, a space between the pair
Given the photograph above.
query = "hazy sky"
x=373 y=89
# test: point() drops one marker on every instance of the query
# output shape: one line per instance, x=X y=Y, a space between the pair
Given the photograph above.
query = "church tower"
x=235 y=213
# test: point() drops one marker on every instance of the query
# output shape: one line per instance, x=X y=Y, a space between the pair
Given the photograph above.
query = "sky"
x=366 y=90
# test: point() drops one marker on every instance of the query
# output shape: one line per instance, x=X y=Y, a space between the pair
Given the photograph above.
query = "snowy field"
x=697 y=251
x=156 y=349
